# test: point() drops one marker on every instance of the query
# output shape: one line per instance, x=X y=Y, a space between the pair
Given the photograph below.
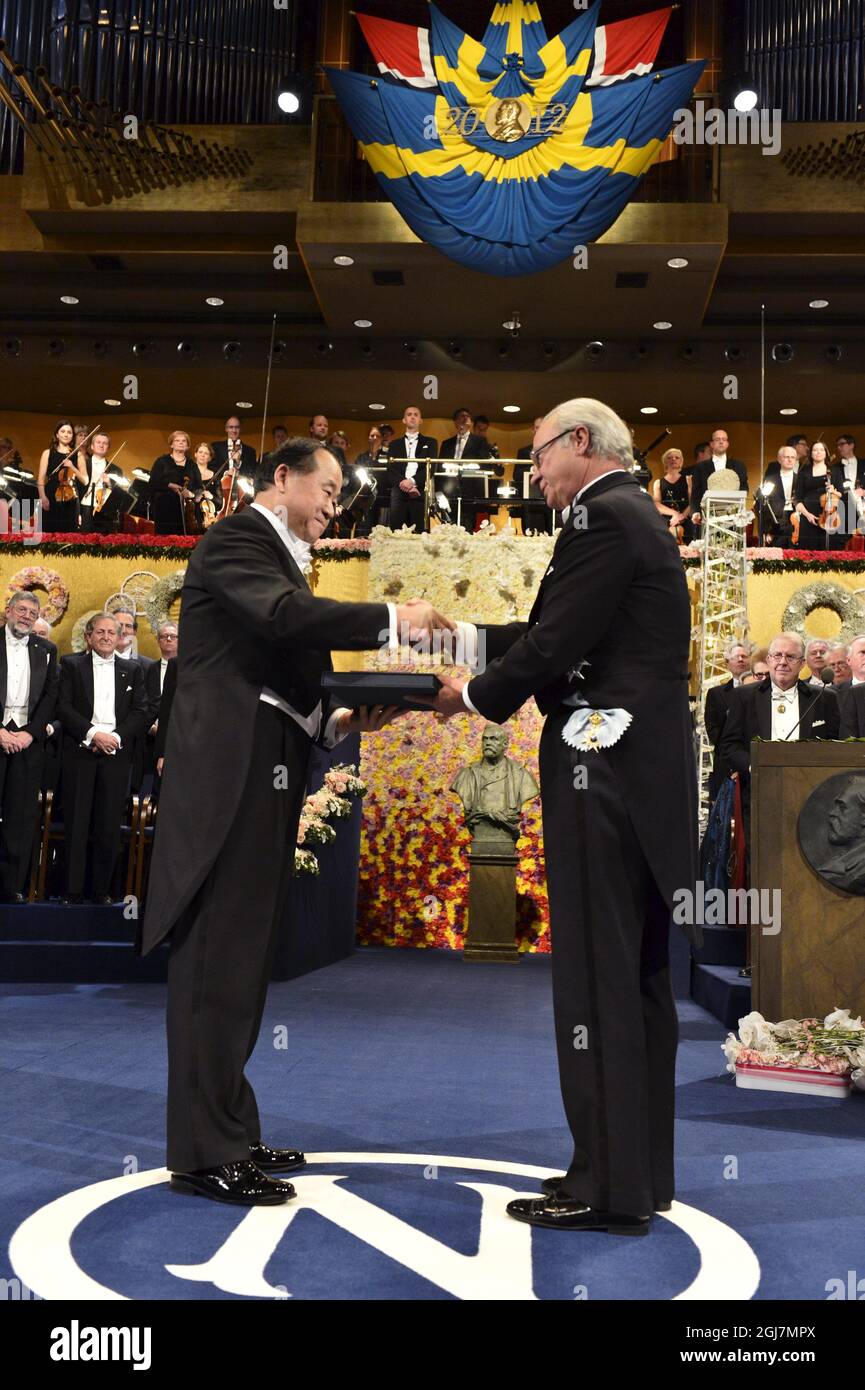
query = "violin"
x=65 y=490
x=190 y=520
x=830 y=514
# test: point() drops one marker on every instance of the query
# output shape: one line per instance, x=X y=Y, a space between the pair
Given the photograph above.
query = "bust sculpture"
x=493 y=792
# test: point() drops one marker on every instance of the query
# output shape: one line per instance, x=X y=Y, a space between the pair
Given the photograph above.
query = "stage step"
x=720 y=990
x=722 y=946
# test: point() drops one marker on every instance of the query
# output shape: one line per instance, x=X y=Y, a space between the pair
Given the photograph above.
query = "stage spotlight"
x=289 y=102
x=366 y=350
x=640 y=352
x=783 y=352
x=99 y=347
x=12 y=347
x=187 y=351
x=56 y=347
x=595 y=352
x=833 y=353
x=410 y=348
x=549 y=350
x=739 y=92
x=142 y=348
x=688 y=352
x=324 y=347
x=503 y=350
x=232 y=351
x=455 y=347
x=734 y=353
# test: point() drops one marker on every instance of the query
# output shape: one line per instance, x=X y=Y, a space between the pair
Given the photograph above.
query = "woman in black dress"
x=174 y=479
x=672 y=497
x=59 y=473
x=209 y=502
x=812 y=482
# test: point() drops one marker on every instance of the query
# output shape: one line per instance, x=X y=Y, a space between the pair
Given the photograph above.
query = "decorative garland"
x=162 y=595
x=848 y=606
x=37 y=577
x=332 y=801
x=167 y=547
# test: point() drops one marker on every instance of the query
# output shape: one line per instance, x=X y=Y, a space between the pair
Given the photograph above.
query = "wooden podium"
x=816 y=962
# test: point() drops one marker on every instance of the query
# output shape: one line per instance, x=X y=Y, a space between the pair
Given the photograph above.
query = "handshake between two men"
x=415 y=621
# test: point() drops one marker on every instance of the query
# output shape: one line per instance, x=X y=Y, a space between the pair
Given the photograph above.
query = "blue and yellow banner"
x=511 y=161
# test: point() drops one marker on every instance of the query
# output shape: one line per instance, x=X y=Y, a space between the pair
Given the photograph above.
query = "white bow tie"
x=17 y=641
x=102 y=660
x=783 y=694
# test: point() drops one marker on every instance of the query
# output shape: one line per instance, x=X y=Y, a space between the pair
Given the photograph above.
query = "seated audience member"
x=781 y=708
x=53 y=732
x=815 y=660
x=671 y=497
x=778 y=504
x=168 y=688
x=852 y=700
x=836 y=660
x=718 y=460
x=28 y=684
x=407 y=472
x=154 y=681
x=102 y=706
x=231 y=452
x=174 y=480
x=759 y=666
x=737 y=657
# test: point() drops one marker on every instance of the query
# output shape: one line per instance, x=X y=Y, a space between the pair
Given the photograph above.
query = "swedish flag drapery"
x=510 y=161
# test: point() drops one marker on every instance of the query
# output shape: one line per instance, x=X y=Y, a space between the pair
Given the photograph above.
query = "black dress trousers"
x=405 y=510
x=221 y=953
x=20 y=777
x=95 y=788
x=615 y=1016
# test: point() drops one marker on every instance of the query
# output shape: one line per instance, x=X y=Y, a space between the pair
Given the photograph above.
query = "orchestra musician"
x=174 y=481
x=60 y=470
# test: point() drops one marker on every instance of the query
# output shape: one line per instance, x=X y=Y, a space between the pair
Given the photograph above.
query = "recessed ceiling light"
x=511 y=409
x=68 y=299
x=363 y=323
x=648 y=410
x=107 y=401
x=376 y=405
x=343 y=260
x=789 y=410
x=243 y=405
x=288 y=101
x=662 y=324
x=214 y=302
x=819 y=304
x=677 y=263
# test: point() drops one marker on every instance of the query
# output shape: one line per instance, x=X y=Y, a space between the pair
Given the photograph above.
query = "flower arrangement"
x=802 y=1050
x=37 y=577
x=341 y=782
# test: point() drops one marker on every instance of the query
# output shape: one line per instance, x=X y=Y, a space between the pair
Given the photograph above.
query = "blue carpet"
x=404 y=1053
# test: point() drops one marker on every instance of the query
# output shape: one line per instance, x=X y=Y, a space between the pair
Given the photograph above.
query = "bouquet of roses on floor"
x=835 y=1045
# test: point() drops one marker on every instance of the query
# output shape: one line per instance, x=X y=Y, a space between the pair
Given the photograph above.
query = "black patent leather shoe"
x=240 y=1183
x=552 y=1187
x=565 y=1214
x=276 y=1160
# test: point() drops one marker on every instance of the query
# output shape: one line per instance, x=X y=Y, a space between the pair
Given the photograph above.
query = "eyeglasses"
x=536 y=453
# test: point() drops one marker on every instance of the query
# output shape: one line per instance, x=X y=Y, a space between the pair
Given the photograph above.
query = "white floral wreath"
x=161 y=596
x=848 y=606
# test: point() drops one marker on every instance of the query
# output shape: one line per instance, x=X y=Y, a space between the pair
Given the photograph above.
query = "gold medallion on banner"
x=507 y=120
